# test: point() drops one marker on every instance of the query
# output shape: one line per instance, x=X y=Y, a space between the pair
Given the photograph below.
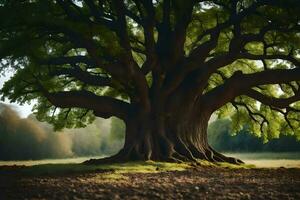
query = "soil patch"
x=201 y=182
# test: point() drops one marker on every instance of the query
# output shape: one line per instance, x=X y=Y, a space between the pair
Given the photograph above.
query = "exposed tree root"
x=107 y=160
x=131 y=155
x=222 y=158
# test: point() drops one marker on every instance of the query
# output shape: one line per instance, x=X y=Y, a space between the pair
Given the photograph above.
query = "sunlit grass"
x=112 y=177
x=226 y=165
x=120 y=168
x=232 y=166
x=114 y=171
x=148 y=167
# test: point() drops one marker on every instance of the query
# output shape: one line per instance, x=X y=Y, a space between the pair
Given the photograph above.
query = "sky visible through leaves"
x=23 y=110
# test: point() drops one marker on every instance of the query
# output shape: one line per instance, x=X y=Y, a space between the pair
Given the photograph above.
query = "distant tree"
x=163 y=67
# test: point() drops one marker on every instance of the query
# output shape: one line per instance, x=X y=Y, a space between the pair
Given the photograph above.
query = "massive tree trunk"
x=177 y=133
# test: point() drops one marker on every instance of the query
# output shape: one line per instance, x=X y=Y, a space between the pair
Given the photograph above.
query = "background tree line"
x=222 y=138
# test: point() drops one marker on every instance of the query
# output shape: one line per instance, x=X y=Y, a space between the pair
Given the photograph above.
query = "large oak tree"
x=162 y=66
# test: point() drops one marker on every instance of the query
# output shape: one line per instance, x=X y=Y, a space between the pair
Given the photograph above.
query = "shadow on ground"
x=148 y=180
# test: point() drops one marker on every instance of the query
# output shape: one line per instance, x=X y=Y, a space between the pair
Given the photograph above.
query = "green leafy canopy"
x=62 y=46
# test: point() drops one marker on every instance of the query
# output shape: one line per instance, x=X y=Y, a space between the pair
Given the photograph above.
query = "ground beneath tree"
x=203 y=182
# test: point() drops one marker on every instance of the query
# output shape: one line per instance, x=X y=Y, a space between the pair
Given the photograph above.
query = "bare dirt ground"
x=196 y=183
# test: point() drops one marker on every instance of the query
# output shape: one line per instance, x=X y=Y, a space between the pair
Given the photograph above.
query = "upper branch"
x=239 y=40
x=122 y=26
x=183 y=16
x=196 y=62
x=100 y=16
x=148 y=24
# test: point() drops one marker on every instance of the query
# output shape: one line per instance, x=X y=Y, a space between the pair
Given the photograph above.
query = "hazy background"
x=27 y=138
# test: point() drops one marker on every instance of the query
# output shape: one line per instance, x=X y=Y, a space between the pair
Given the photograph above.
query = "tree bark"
x=178 y=135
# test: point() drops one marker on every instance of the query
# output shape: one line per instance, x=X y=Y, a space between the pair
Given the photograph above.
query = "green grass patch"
x=232 y=166
x=206 y=163
x=112 y=177
x=148 y=167
x=120 y=168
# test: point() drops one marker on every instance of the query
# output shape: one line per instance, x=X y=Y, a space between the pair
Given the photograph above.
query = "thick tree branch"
x=74 y=13
x=82 y=76
x=72 y=60
x=289 y=58
x=102 y=106
x=122 y=31
x=183 y=16
x=68 y=7
x=147 y=22
x=241 y=84
x=271 y=101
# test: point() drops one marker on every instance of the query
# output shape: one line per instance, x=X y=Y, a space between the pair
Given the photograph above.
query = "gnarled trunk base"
x=123 y=156
x=127 y=156
x=165 y=144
